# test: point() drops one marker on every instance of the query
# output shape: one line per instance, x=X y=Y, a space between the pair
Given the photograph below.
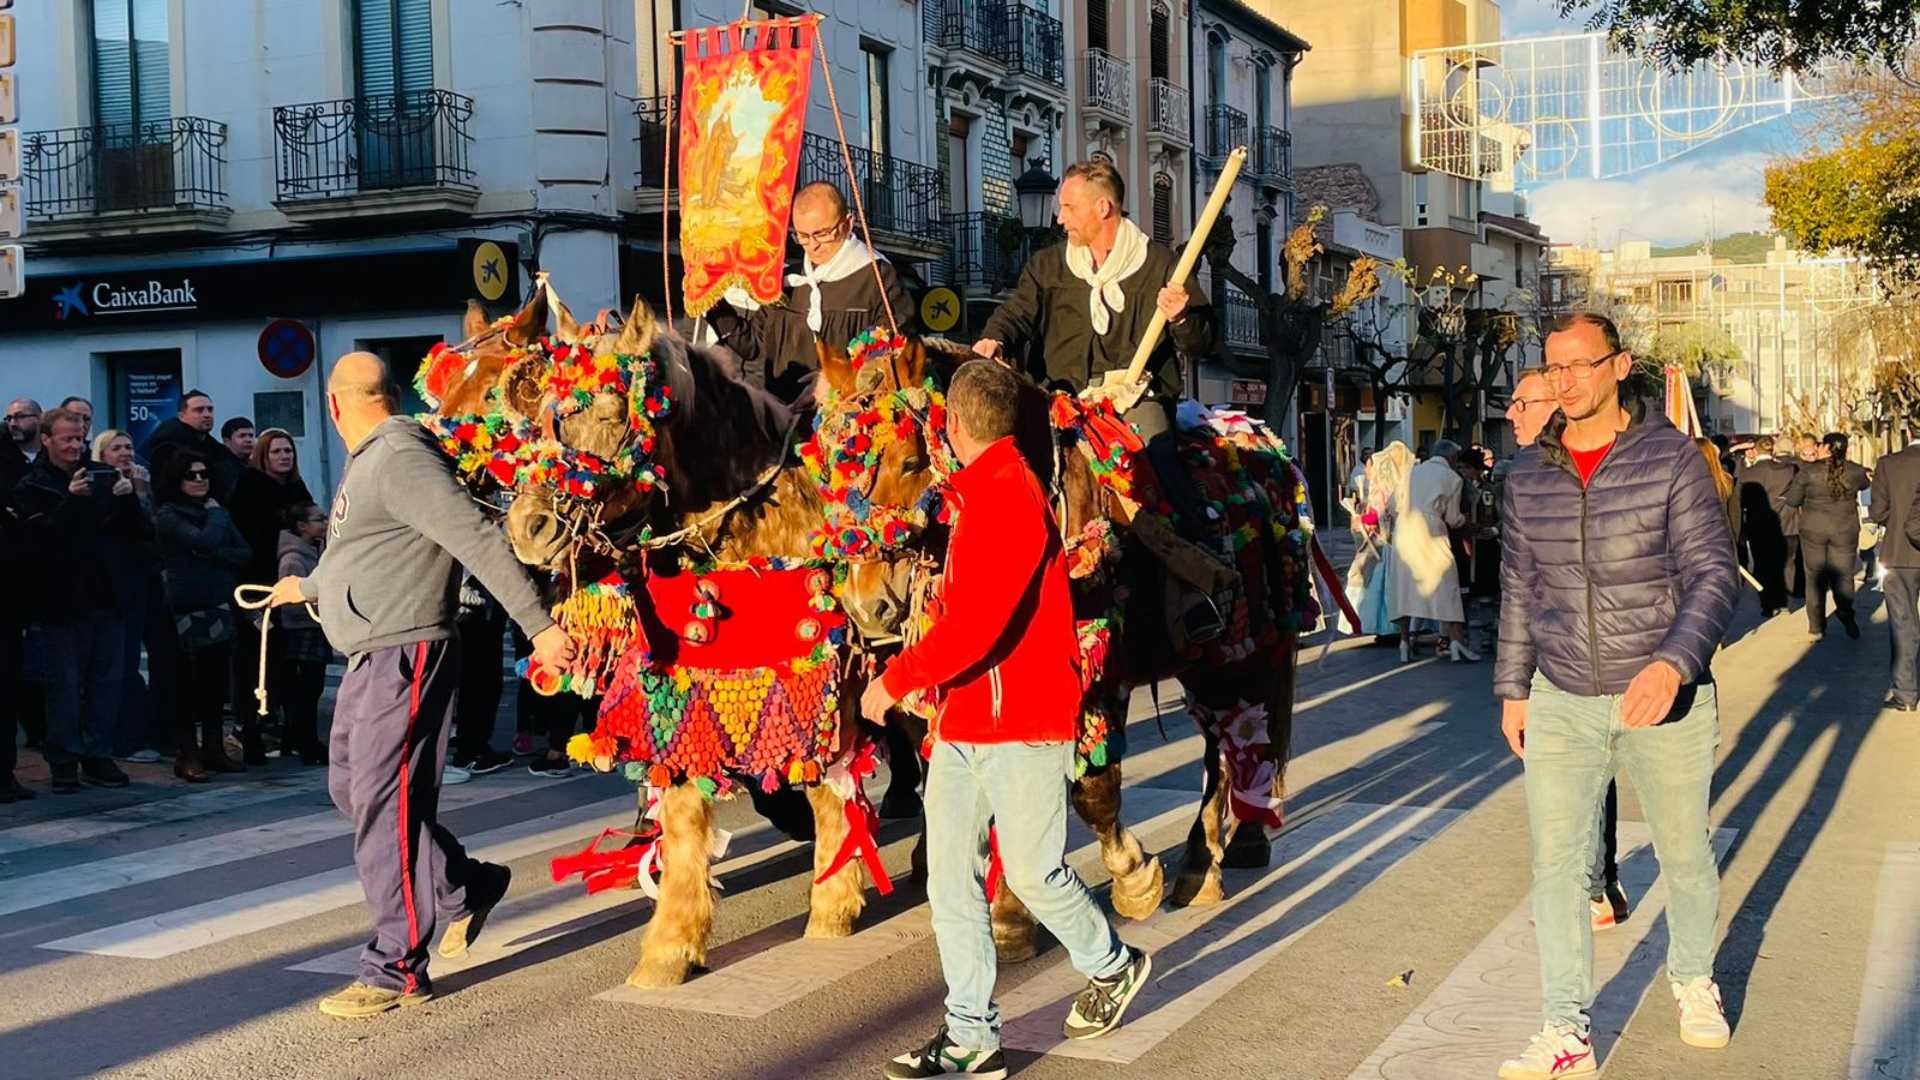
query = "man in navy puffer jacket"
x=1617 y=582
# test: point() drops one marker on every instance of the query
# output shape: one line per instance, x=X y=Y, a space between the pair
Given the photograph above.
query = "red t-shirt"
x=1586 y=461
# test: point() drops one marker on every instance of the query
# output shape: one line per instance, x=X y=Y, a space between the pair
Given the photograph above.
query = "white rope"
x=265 y=594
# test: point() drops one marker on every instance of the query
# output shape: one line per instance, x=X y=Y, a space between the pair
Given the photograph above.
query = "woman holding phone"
x=144 y=721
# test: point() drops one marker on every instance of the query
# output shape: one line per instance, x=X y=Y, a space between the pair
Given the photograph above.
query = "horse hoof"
x=824 y=925
x=1137 y=895
x=660 y=972
x=1197 y=890
x=900 y=806
x=1249 y=850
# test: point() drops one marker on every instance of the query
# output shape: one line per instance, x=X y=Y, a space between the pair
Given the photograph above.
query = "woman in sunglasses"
x=201 y=557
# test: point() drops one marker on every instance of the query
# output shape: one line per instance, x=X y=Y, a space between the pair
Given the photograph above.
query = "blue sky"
x=1718 y=184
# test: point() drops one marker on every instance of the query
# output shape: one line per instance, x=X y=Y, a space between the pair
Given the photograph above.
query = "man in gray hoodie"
x=388 y=592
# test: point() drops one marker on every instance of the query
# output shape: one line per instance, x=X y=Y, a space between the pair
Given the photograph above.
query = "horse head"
x=879 y=449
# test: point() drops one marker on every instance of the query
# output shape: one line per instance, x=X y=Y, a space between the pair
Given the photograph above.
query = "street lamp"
x=1035 y=190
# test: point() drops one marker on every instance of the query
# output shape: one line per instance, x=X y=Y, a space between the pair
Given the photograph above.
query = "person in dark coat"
x=192 y=429
x=300 y=671
x=1895 y=507
x=834 y=297
x=1618 y=582
x=1764 y=513
x=201 y=557
x=1827 y=494
x=268 y=489
x=15 y=565
x=21 y=443
x=76 y=518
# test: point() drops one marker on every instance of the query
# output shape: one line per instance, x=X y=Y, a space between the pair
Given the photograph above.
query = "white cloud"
x=1672 y=205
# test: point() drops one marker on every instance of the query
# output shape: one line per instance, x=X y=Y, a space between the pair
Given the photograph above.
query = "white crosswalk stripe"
x=1886 y=1036
x=554 y=911
x=1487 y=1008
x=103 y=875
x=188 y=807
x=276 y=905
x=749 y=980
x=1202 y=953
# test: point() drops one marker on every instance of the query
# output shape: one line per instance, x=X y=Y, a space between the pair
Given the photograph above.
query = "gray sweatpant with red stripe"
x=389 y=743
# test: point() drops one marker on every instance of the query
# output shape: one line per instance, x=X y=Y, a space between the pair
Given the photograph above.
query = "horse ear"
x=530 y=321
x=636 y=337
x=475 y=323
x=564 y=323
x=835 y=366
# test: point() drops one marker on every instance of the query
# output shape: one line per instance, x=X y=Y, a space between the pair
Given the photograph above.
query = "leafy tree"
x=1781 y=34
x=1862 y=197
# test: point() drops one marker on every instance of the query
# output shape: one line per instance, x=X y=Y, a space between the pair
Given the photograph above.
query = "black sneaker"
x=102 y=772
x=66 y=779
x=488 y=760
x=486 y=892
x=1100 y=1007
x=547 y=766
x=943 y=1057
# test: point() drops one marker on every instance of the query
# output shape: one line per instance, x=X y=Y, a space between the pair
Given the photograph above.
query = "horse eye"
x=915 y=463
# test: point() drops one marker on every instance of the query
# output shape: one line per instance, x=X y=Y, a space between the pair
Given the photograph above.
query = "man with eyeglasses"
x=22 y=444
x=836 y=295
x=1617 y=584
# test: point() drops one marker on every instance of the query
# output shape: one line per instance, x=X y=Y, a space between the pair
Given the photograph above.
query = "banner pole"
x=853 y=183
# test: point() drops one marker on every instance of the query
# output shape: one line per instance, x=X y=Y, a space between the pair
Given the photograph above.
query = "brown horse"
x=734 y=490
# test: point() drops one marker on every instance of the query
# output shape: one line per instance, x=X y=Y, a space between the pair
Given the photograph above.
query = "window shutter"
x=1263 y=250
x=1162 y=212
x=112 y=63
x=1097 y=24
x=1159 y=34
x=416 y=44
x=393 y=46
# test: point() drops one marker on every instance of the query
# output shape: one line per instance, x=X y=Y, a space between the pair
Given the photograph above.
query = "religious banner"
x=743 y=106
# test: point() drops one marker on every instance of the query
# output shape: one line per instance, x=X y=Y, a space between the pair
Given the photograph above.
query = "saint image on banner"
x=742 y=116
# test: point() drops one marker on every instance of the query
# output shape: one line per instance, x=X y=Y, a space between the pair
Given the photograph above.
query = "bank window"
x=131 y=80
x=879 y=113
x=393 y=46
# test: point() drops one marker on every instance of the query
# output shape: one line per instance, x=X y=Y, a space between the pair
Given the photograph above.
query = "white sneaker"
x=1702 y=1023
x=454 y=774
x=1554 y=1053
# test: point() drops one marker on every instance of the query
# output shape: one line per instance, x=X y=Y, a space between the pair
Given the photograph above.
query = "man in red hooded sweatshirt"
x=1004 y=652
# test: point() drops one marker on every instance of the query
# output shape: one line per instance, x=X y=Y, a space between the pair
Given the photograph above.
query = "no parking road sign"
x=287 y=348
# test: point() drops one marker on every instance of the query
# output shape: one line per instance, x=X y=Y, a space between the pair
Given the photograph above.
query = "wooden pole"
x=1188 y=258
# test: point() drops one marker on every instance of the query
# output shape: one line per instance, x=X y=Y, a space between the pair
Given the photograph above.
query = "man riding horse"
x=837 y=294
x=1087 y=303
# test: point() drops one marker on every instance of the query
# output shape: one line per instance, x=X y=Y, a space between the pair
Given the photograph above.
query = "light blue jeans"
x=1574 y=743
x=1021 y=788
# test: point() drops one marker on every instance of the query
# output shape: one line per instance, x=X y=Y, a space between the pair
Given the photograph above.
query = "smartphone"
x=103 y=477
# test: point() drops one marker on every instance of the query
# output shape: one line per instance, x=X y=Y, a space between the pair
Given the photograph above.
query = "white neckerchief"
x=1129 y=254
x=852 y=258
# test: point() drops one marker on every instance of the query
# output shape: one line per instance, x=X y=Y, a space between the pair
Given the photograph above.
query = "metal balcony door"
x=132 y=101
x=395 y=123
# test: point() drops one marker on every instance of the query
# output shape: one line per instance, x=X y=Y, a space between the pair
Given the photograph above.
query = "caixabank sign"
x=444 y=278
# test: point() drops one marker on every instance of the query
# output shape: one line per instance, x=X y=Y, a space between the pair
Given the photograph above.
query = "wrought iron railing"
x=659 y=137
x=976 y=25
x=1275 y=153
x=174 y=163
x=1109 y=84
x=376 y=142
x=903 y=198
x=1169 y=111
x=1226 y=129
x=986 y=251
x=1239 y=318
x=1035 y=45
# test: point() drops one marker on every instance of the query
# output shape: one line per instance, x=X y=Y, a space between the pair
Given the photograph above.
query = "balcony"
x=1169 y=112
x=986 y=252
x=150 y=177
x=1226 y=128
x=1108 y=93
x=1273 y=158
x=905 y=201
x=659 y=137
x=381 y=155
x=976 y=26
x=1239 y=320
x=1034 y=46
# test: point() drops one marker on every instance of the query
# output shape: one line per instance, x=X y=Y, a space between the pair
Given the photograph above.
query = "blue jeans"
x=1021 y=788
x=1574 y=744
x=83 y=657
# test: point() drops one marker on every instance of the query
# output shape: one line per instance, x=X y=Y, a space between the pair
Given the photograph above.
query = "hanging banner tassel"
x=995 y=871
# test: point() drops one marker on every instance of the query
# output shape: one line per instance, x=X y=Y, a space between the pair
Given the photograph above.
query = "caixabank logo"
x=101 y=298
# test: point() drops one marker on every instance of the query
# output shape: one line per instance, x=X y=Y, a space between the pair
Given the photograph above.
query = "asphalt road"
x=162 y=931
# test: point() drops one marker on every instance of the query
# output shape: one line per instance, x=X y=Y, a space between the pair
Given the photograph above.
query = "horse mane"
x=726 y=433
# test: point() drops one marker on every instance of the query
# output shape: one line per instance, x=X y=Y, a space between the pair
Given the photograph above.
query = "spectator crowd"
x=121 y=641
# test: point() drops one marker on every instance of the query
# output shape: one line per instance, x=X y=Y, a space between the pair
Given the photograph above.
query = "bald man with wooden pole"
x=387 y=589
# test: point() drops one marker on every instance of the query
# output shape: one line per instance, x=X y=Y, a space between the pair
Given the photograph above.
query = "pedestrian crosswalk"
x=1886 y=1038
